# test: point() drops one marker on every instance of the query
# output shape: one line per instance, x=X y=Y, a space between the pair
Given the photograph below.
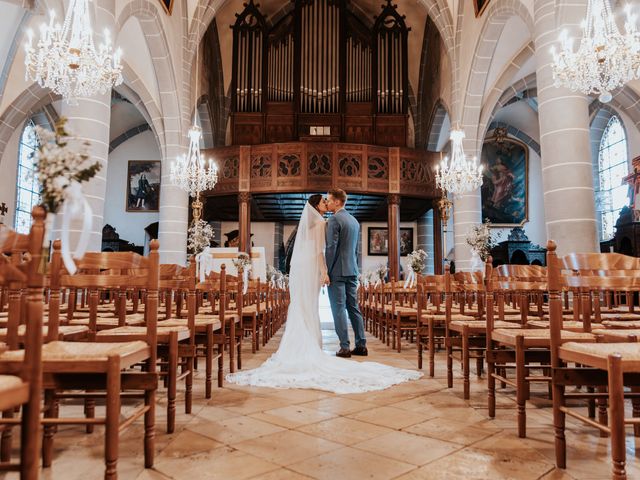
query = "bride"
x=300 y=361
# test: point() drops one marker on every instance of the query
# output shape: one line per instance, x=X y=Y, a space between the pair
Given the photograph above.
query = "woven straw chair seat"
x=163 y=332
x=622 y=335
x=620 y=324
x=200 y=322
x=570 y=325
x=479 y=325
x=596 y=354
x=74 y=351
x=441 y=317
x=64 y=330
x=620 y=316
x=107 y=322
x=9 y=382
x=536 y=337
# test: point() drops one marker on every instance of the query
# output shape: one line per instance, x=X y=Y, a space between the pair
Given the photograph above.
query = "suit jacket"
x=343 y=233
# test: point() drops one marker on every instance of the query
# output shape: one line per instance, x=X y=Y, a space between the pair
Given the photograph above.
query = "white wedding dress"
x=300 y=361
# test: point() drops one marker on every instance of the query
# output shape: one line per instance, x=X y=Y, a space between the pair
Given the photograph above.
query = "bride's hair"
x=314 y=200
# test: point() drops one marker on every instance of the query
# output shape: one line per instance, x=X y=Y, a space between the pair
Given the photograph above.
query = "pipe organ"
x=325 y=74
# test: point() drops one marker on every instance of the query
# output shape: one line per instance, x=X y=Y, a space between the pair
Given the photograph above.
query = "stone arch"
x=495 y=98
x=496 y=16
x=436 y=124
x=519 y=134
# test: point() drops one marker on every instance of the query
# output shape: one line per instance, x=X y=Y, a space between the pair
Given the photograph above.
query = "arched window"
x=613 y=166
x=28 y=190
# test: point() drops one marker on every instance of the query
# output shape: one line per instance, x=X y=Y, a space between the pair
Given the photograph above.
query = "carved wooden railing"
x=310 y=166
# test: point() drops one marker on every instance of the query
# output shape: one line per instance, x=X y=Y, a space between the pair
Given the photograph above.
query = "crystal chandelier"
x=605 y=59
x=458 y=175
x=191 y=172
x=65 y=59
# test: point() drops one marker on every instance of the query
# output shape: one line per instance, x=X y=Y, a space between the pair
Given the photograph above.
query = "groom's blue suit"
x=343 y=231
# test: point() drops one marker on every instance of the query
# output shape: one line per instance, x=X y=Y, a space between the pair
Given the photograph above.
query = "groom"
x=343 y=231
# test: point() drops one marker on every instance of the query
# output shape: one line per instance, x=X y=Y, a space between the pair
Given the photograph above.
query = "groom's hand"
x=326 y=281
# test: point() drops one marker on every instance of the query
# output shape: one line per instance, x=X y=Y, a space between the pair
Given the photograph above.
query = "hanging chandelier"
x=65 y=59
x=605 y=59
x=458 y=175
x=191 y=172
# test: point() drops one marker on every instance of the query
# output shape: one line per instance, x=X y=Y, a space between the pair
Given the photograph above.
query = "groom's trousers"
x=343 y=295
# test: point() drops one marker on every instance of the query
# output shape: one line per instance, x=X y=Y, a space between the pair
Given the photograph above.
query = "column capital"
x=244 y=197
x=394 y=199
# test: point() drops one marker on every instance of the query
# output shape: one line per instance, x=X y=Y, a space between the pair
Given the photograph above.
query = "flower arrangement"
x=417 y=260
x=480 y=240
x=200 y=236
x=381 y=271
x=274 y=276
x=61 y=161
x=242 y=262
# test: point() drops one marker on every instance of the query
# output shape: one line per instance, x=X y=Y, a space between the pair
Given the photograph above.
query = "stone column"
x=393 y=222
x=437 y=241
x=567 y=178
x=89 y=119
x=467 y=212
x=425 y=239
x=174 y=213
x=244 y=221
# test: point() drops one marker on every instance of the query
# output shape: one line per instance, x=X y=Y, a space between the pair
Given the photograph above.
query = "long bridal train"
x=300 y=361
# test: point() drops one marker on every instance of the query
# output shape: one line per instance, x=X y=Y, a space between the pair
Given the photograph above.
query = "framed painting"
x=143 y=186
x=480 y=6
x=406 y=241
x=378 y=241
x=505 y=182
x=167 y=5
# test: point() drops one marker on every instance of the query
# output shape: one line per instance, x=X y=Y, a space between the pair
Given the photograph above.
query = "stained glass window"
x=613 y=166
x=28 y=190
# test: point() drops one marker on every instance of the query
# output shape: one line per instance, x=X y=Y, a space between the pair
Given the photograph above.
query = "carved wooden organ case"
x=319 y=74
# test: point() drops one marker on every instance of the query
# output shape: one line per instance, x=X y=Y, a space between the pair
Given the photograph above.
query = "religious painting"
x=480 y=5
x=406 y=241
x=143 y=186
x=378 y=241
x=505 y=182
x=167 y=5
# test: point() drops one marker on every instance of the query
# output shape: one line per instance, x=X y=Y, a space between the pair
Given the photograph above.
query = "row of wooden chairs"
x=99 y=334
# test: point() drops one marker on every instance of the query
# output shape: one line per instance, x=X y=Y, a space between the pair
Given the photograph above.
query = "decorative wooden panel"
x=310 y=167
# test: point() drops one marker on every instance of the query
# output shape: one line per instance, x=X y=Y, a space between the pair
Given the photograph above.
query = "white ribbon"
x=75 y=207
x=245 y=280
x=204 y=264
x=411 y=278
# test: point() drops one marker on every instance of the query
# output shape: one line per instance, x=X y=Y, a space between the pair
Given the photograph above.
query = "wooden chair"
x=401 y=313
x=521 y=349
x=21 y=383
x=91 y=370
x=605 y=368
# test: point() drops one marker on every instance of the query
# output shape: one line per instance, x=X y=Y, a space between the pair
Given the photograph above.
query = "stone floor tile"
x=234 y=430
x=351 y=463
x=285 y=448
x=293 y=416
x=391 y=417
x=408 y=448
x=345 y=430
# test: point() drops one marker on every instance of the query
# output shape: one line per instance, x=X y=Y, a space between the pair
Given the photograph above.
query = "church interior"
x=156 y=159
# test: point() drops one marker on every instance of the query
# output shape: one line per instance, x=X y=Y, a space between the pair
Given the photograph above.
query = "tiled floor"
x=419 y=430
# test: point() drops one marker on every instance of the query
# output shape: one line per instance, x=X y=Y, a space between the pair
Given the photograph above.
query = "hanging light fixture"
x=191 y=172
x=65 y=59
x=605 y=59
x=458 y=175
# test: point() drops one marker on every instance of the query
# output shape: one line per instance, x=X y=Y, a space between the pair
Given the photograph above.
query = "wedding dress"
x=300 y=361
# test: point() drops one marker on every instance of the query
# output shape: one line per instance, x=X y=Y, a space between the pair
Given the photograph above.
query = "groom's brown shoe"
x=343 y=353
x=360 y=351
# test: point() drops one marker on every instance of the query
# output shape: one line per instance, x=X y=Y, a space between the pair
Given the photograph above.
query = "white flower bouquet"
x=242 y=262
x=417 y=260
x=200 y=236
x=381 y=272
x=62 y=160
x=480 y=240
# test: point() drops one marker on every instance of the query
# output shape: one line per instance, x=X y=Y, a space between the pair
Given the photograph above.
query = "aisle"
x=419 y=430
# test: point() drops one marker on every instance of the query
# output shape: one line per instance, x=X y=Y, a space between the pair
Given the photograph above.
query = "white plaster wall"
x=129 y=225
x=8 y=176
